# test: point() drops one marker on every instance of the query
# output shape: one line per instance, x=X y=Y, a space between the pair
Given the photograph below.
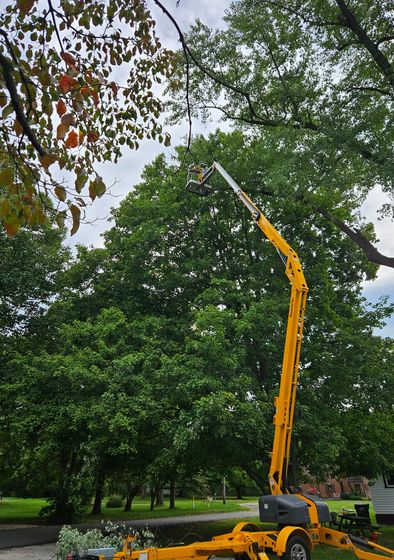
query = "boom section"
x=285 y=401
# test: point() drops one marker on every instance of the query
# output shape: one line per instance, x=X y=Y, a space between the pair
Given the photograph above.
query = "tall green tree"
x=315 y=80
x=202 y=262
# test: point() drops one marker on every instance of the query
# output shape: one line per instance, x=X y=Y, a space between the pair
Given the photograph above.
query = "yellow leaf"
x=60 y=218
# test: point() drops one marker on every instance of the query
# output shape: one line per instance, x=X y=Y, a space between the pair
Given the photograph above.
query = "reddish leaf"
x=64 y=84
x=61 y=108
x=72 y=139
x=93 y=136
x=26 y=5
x=47 y=160
x=69 y=59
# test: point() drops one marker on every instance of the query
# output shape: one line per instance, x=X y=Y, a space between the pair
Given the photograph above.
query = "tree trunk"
x=131 y=494
x=98 y=498
x=152 y=497
x=159 y=496
x=172 y=494
x=238 y=489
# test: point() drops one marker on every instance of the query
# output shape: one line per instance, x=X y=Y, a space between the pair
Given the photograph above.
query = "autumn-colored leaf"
x=61 y=108
x=18 y=128
x=62 y=130
x=64 y=84
x=115 y=89
x=5 y=208
x=3 y=99
x=93 y=136
x=60 y=192
x=92 y=93
x=72 y=139
x=69 y=59
x=95 y=97
x=30 y=192
x=11 y=224
x=6 y=177
x=96 y=188
x=76 y=215
x=47 y=160
x=60 y=219
x=26 y=5
x=68 y=119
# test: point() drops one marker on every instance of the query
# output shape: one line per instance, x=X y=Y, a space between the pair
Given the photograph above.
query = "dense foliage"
x=159 y=359
x=77 y=84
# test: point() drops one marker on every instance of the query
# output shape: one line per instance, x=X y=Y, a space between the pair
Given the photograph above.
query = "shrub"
x=73 y=540
x=114 y=502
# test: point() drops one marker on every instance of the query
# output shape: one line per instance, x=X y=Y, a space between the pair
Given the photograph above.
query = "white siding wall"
x=382 y=497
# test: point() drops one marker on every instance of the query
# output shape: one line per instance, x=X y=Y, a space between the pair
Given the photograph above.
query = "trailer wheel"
x=297 y=549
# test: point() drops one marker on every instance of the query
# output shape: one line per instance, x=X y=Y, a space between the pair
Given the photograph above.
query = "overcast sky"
x=127 y=171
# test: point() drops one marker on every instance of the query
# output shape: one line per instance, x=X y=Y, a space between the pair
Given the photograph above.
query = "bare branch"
x=371 y=252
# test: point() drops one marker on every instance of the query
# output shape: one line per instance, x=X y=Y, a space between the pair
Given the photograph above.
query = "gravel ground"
x=40 y=552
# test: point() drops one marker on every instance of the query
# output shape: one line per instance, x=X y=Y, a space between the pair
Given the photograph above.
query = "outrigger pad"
x=196 y=187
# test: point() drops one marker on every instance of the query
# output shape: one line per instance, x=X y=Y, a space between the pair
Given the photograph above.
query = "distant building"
x=383 y=498
x=333 y=488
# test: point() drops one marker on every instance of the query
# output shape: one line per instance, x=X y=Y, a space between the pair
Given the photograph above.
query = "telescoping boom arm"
x=285 y=401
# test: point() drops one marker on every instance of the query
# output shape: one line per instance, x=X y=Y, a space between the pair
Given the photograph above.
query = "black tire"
x=297 y=548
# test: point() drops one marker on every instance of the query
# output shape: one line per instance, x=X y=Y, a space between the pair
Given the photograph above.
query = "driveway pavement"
x=12 y=536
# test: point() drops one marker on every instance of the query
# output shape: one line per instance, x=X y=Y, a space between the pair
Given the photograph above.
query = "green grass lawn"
x=20 y=510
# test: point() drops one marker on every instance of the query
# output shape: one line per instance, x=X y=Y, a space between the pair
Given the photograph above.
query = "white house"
x=383 y=499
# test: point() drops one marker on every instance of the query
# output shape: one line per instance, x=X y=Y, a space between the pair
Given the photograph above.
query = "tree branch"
x=372 y=47
x=10 y=84
x=371 y=252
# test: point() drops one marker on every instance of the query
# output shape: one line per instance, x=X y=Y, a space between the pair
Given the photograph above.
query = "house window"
x=389 y=480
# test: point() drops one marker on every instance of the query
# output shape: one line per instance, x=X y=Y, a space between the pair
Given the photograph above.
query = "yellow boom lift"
x=302 y=521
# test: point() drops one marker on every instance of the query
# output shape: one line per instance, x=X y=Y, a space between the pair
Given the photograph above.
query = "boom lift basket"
x=195 y=181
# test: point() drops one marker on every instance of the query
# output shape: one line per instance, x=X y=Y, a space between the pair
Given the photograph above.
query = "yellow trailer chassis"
x=245 y=544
